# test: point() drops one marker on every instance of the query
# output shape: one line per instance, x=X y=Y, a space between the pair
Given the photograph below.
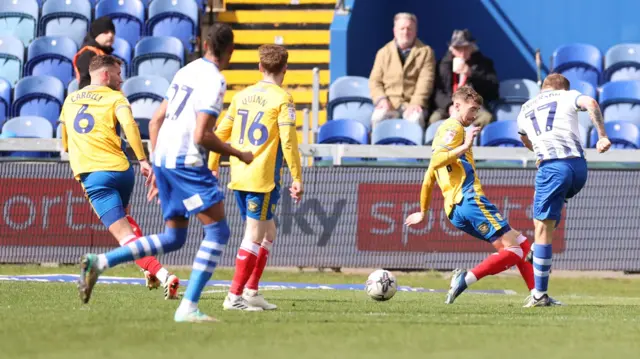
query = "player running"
x=181 y=132
x=548 y=125
x=89 y=120
x=453 y=167
x=261 y=119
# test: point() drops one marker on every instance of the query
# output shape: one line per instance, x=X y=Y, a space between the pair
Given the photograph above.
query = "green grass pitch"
x=46 y=320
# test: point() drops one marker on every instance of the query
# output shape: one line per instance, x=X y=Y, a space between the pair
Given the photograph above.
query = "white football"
x=381 y=285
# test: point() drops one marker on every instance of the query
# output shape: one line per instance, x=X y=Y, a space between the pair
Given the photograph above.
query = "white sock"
x=102 y=262
x=537 y=294
x=162 y=275
x=187 y=306
x=470 y=278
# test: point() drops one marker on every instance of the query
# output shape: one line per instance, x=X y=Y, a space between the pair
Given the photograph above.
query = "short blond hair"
x=466 y=94
x=273 y=58
x=405 y=15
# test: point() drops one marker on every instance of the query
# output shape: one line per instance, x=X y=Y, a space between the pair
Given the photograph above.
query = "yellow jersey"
x=89 y=120
x=456 y=176
x=260 y=119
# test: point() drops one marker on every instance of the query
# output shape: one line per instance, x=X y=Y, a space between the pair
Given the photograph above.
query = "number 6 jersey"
x=260 y=119
x=197 y=87
x=550 y=121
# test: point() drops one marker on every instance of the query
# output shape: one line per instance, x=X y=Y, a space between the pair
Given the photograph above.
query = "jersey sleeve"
x=122 y=110
x=289 y=137
x=427 y=189
x=211 y=100
x=573 y=96
x=448 y=137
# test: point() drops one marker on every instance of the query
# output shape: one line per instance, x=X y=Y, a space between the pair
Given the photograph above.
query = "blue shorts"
x=556 y=181
x=109 y=193
x=186 y=191
x=258 y=206
x=479 y=218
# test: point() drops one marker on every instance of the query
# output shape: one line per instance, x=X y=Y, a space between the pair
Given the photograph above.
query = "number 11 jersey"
x=550 y=121
x=197 y=87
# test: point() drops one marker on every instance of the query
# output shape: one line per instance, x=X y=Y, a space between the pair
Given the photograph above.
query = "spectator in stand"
x=401 y=80
x=97 y=42
x=463 y=65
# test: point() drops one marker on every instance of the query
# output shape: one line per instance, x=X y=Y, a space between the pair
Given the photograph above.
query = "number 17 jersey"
x=550 y=121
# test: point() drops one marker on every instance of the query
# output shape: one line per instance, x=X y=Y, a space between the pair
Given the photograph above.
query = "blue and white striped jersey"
x=197 y=87
x=550 y=120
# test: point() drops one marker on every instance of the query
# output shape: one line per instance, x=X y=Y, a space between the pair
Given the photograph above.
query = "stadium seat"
x=11 y=58
x=584 y=88
x=5 y=100
x=28 y=127
x=580 y=61
x=343 y=132
x=122 y=50
x=584 y=119
x=430 y=134
x=19 y=18
x=501 y=134
x=73 y=86
x=174 y=18
x=127 y=16
x=59 y=131
x=623 y=135
x=349 y=98
x=39 y=96
x=70 y=18
x=620 y=101
x=518 y=90
x=584 y=135
x=622 y=63
x=397 y=132
x=52 y=55
x=145 y=93
x=507 y=111
x=162 y=56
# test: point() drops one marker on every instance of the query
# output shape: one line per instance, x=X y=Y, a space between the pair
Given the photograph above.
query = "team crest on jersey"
x=292 y=113
x=253 y=206
x=483 y=228
x=448 y=136
x=499 y=217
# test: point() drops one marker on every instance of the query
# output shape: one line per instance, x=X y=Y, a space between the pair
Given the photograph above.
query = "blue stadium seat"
x=506 y=111
x=584 y=88
x=501 y=134
x=145 y=93
x=5 y=100
x=397 y=132
x=70 y=18
x=518 y=90
x=580 y=61
x=162 y=56
x=430 y=134
x=349 y=98
x=122 y=50
x=52 y=55
x=11 y=58
x=19 y=18
x=39 y=96
x=623 y=135
x=620 y=101
x=28 y=127
x=343 y=132
x=59 y=131
x=127 y=16
x=584 y=119
x=584 y=135
x=174 y=18
x=73 y=86
x=622 y=63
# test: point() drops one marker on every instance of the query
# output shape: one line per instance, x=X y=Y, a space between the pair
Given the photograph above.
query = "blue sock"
x=156 y=244
x=216 y=236
x=542 y=266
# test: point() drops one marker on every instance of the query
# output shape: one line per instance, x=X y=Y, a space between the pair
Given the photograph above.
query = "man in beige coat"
x=402 y=77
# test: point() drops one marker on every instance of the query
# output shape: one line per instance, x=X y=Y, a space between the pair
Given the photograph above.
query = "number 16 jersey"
x=550 y=121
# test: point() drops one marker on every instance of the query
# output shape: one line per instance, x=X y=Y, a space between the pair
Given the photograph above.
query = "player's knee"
x=173 y=238
x=218 y=232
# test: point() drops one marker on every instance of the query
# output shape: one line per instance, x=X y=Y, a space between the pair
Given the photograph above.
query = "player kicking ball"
x=453 y=167
x=548 y=126
x=89 y=119
x=260 y=119
x=181 y=133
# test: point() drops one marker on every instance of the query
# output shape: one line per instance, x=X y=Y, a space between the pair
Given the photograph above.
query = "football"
x=381 y=285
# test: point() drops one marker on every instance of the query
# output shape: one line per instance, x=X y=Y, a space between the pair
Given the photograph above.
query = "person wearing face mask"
x=401 y=80
x=99 y=41
x=464 y=65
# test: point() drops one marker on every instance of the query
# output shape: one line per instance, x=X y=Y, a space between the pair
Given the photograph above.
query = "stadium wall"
x=507 y=31
x=350 y=217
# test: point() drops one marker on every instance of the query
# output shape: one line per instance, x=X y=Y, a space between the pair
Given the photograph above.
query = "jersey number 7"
x=552 y=114
x=253 y=127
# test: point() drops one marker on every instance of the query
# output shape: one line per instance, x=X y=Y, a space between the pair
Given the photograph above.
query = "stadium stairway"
x=300 y=25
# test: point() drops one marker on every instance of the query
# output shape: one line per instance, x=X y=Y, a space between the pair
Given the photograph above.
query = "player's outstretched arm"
x=156 y=122
x=289 y=145
x=130 y=128
x=223 y=131
x=591 y=106
x=65 y=138
x=425 y=198
x=204 y=136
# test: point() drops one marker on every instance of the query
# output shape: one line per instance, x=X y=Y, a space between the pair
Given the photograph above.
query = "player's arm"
x=63 y=128
x=204 y=136
x=289 y=145
x=589 y=104
x=425 y=197
x=130 y=127
x=223 y=131
x=156 y=122
x=523 y=134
